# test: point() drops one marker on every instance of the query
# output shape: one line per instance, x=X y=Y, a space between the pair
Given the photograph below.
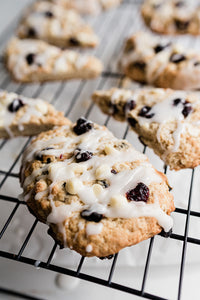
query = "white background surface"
x=165 y=262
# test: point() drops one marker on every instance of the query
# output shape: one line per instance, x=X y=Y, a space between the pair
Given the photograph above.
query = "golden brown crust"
x=49 y=63
x=116 y=233
x=33 y=117
x=147 y=59
x=170 y=17
x=188 y=153
x=56 y=25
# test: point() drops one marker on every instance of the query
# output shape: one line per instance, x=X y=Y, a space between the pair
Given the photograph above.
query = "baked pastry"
x=147 y=59
x=22 y=116
x=93 y=7
x=56 y=25
x=34 y=60
x=172 y=16
x=96 y=192
x=167 y=121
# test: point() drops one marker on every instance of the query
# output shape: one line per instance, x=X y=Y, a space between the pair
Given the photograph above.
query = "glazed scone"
x=30 y=60
x=96 y=192
x=93 y=7
x=172 y=16
x=56 y=25
x=167 y=121
x=22 y=116
x=163 y=64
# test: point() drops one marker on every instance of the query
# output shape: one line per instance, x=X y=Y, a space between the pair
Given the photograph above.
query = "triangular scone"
x=56 y=25
x=167 y=121
x=93 y=7
x=96 y=192
x=172 y=16
x=34 y=60
x=22 y=116
x=147 y=59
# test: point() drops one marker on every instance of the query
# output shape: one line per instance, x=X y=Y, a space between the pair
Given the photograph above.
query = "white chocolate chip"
x=78 y=168
x=109 y=150
x=178 y=48
x=73 y=186
x=118 y=201
x=103 y=172
x=97 y=189
x=42 y=107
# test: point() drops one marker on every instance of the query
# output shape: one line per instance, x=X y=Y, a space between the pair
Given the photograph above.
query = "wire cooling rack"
x=113 y=27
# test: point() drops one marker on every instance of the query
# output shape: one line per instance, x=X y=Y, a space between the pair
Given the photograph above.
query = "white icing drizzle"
x=36 y=107
x=60 y=213
x=63 y=22
x=164 y=112
x=144 y=45
x=101 y=200
x=94 y=228
x=67 y=282
x=37 y=263
x=48 y=58
x=177 y=135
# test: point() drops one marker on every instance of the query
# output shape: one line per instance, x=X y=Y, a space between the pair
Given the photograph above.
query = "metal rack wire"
x=6 y=174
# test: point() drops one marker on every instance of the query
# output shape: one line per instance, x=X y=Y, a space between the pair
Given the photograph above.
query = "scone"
x=96 y=192
x=92 y=7
x=172 y=16
x=167 y=121
x=34 y=60
x=149 y=60
x=22 y=116
x=56 y=25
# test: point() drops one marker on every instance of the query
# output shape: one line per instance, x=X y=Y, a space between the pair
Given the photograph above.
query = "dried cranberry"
x=144 y=112
x=31 y=32
x=130 y=105
x=15 y=105
x=180 y=4
x=113 y=171
x=161 y=47
x=39 y=156
x=129 y=47
x=132 y=122
x=177 y=58
x=91 y=216
x=30 y=58
x=48 y=160
x=187 y=108
x=139 y=65
x=103 y=183
x=115 y=109
x=74 y=42
x=48 y=14
x=139 y=193
x=82 y=155
x=177 y=101
x=181 y=25
x=196 y=63
x=83 y=126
